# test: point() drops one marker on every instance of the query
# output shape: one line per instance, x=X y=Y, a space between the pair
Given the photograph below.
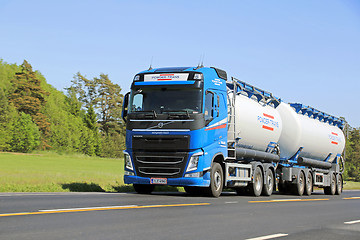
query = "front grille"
x=160 y=143
x=159 y=171
x=160 y=160
x=153 y=164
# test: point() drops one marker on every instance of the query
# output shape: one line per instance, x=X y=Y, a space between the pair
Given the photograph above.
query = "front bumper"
x=195 y=182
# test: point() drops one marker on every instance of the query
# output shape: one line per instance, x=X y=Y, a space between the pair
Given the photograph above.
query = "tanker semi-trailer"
x=193 y=127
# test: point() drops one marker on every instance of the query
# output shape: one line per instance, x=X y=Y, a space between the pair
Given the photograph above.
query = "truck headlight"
x=128 y=163
x=194 y=161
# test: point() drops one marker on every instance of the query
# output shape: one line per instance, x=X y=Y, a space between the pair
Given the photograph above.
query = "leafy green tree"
x=102 y=101
x=8 y=116
x=26 y=135
x=353 y=155
x=90 y=120
x=74 y=105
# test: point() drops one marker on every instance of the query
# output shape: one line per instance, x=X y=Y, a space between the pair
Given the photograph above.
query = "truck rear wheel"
x=332 y=189
x=269 y=183
x=309 y=184
x=300 y=185
x=144 y=188
x=339 y=185
x=257 y=186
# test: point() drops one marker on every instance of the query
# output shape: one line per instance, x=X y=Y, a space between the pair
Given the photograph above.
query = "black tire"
x=299 y=187
x=332 y=189
x=269 y=183
x=339 y=185
x=143 y=188
x=257 y=186
x=216 y=181
x=309 y=184
x=194 y=191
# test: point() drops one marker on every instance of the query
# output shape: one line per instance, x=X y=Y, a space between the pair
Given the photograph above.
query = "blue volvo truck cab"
x=176 y=129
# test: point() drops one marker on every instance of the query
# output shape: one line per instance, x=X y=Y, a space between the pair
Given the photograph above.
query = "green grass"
x=51 y=172
x=351 y=185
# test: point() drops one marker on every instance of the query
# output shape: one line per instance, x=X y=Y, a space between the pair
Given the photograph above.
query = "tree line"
x=85 y=119
x=36 y=116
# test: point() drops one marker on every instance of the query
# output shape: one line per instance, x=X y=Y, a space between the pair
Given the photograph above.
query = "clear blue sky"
x=303 y=51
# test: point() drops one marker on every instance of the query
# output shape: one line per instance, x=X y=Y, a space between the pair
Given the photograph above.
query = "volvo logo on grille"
x=160 y=124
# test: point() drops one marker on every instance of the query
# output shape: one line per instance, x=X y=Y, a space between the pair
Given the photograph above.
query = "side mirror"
x=125 y=105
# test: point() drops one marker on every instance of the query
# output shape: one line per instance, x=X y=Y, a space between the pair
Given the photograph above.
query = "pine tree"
x=29 y=97
x=109 y=102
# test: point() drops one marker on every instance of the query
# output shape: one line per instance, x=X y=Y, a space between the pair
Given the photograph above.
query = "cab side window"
x=209 y=103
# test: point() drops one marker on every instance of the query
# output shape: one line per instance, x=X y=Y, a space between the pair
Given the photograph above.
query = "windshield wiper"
x=178 y=113
x=152 y=112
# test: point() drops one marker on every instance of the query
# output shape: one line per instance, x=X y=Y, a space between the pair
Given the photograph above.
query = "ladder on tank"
x=231 y=129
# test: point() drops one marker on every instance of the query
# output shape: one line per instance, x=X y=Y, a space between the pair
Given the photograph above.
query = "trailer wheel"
x=143 y=188
x=332 y=189
x=300 y=185
x=309 y=184
x=339 y=185
x=257 y=186
x=216 y=180
x=269 y=183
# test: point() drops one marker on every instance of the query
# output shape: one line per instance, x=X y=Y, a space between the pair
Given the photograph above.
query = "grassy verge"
x=351 y=185
x=51 y=172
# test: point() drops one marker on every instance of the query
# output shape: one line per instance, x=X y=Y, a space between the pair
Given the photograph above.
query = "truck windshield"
x=164 y=100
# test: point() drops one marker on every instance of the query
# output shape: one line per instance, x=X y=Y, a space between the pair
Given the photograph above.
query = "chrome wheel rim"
x=217 y=180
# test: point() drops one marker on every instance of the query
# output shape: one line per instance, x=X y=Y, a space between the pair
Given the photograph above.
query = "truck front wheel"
x=216 y=180
x=143 y=188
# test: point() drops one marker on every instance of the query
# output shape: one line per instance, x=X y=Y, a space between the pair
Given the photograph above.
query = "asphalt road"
x=178 y=216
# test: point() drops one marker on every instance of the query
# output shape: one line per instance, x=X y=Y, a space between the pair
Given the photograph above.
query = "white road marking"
x=269 y=236
x=352 y=222
x=90 y=208
x=231 y=202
